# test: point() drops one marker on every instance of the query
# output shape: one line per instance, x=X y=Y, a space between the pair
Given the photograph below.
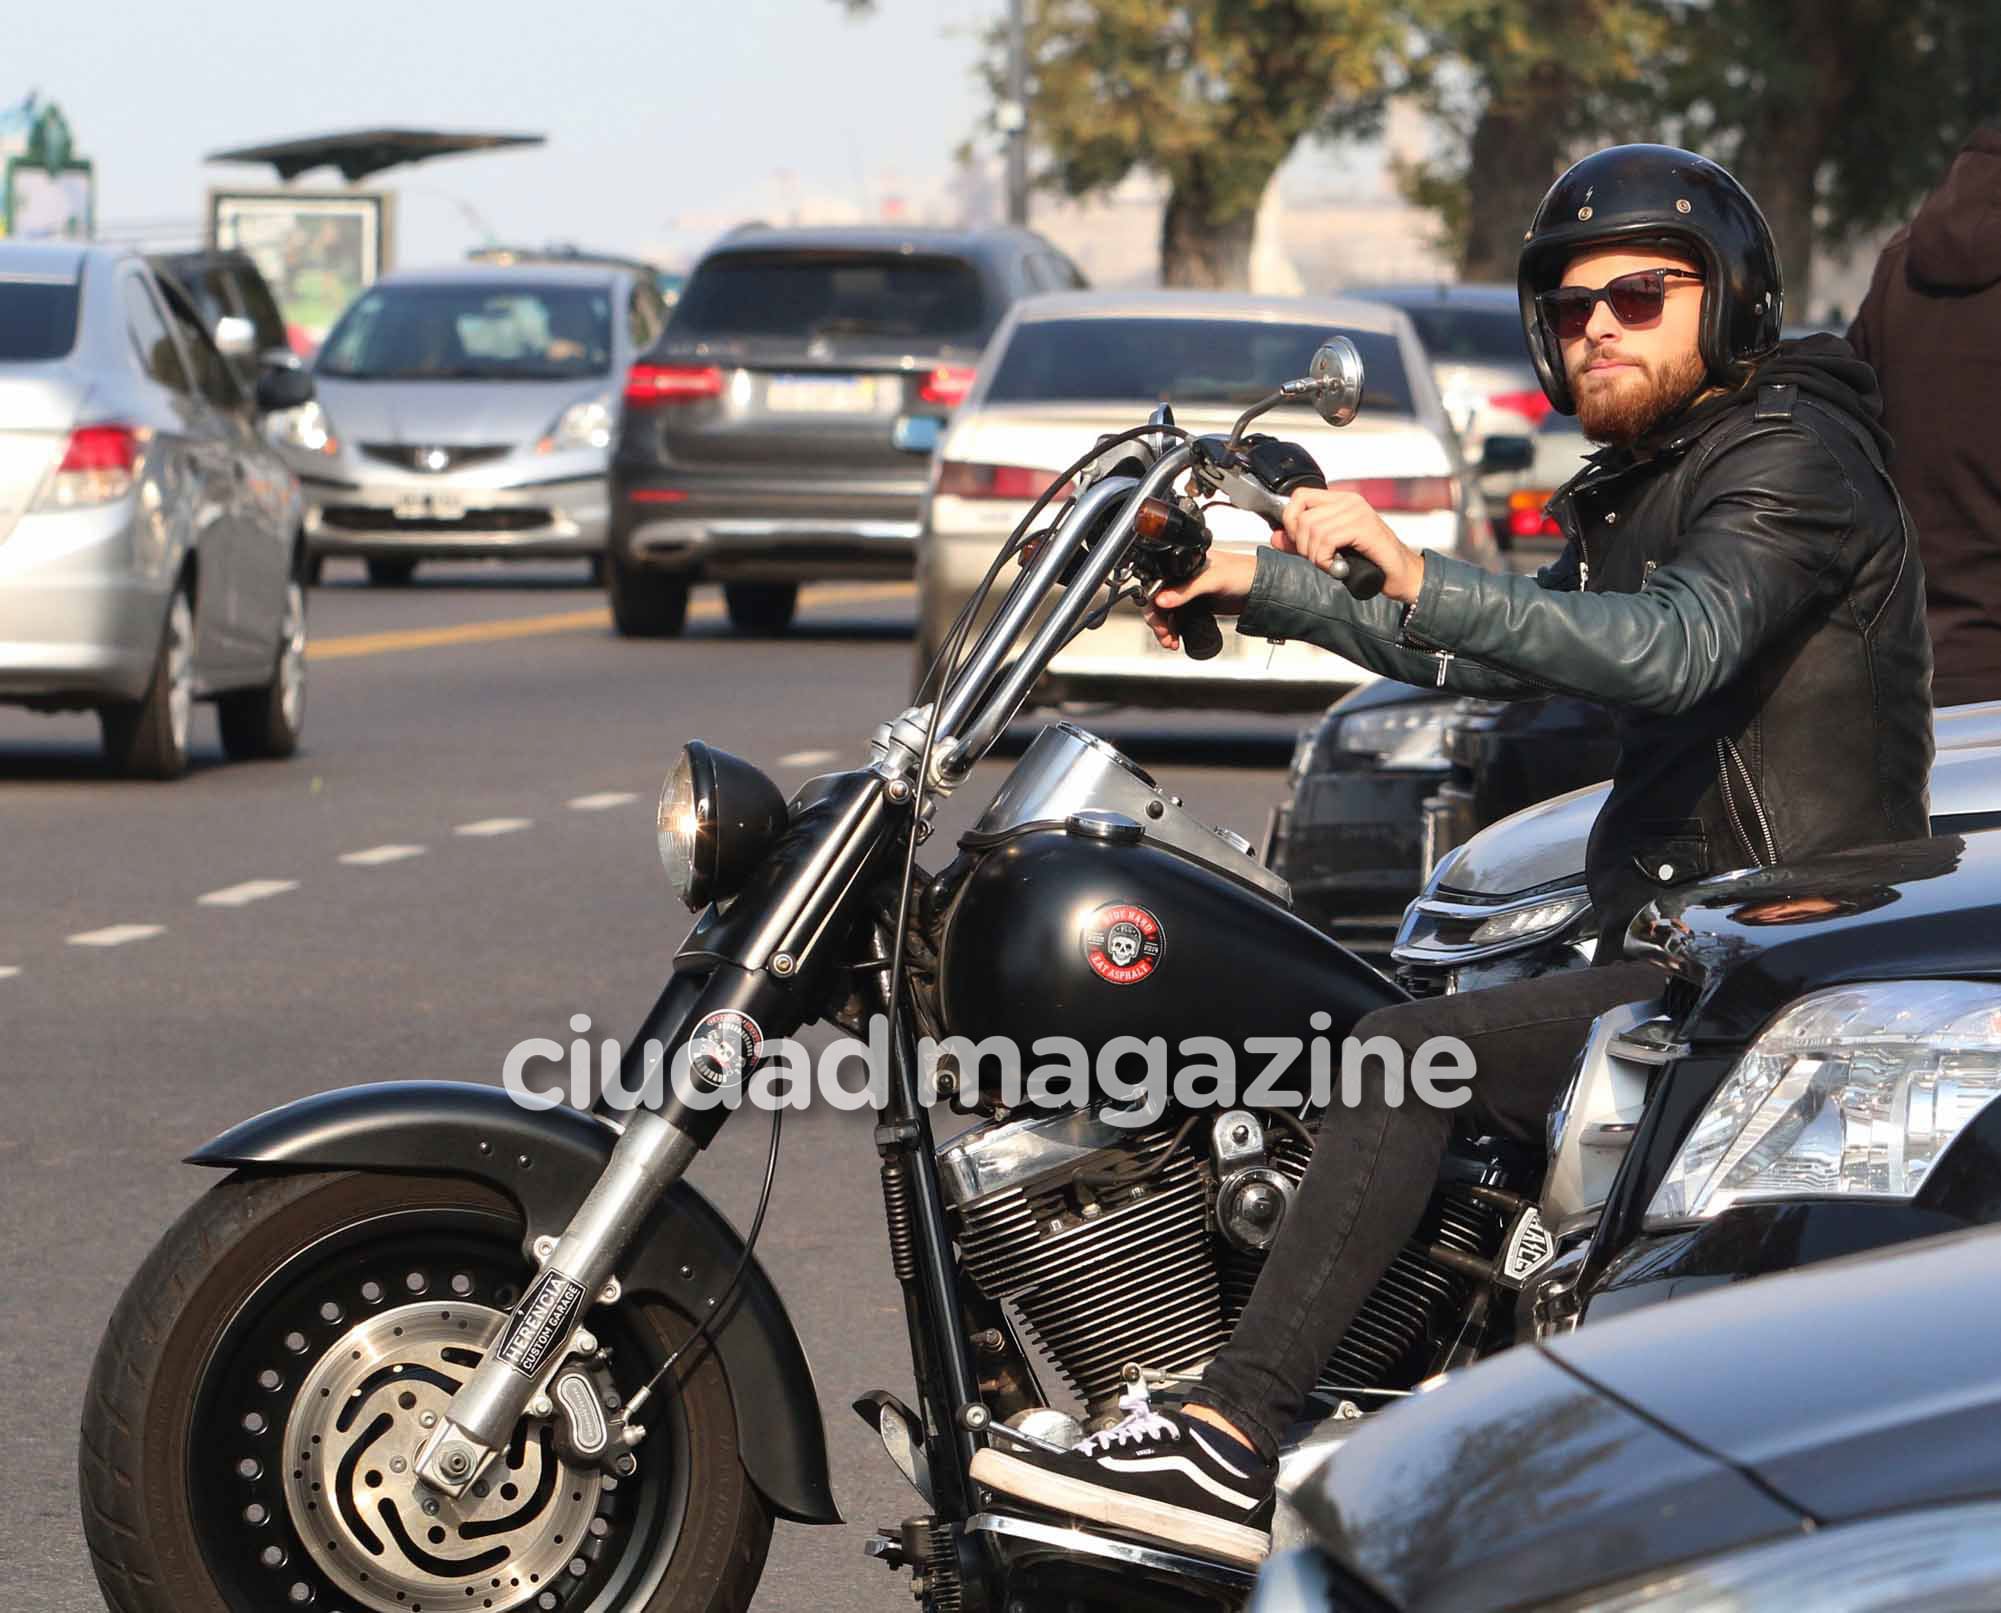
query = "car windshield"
x=802 y=295
x=37 y=317
x=1469 y=335
x=1187 y=361
x=472 y=331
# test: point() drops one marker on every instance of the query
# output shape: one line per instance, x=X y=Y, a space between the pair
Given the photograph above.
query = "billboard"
x=317 y=249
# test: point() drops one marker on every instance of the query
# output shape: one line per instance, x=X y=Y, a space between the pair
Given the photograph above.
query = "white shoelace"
x=1141 y=1422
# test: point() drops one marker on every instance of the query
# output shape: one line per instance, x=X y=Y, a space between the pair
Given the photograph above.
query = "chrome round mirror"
x=1337 y=372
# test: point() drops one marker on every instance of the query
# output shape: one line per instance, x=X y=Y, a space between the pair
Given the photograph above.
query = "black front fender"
x=546 y=1163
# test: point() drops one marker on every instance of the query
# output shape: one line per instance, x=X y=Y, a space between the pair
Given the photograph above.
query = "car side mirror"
x=1506 y=455
x=235 y=337
x=283 y=389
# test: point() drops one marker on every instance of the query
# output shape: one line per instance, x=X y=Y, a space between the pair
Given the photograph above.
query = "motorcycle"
x=427 y=1348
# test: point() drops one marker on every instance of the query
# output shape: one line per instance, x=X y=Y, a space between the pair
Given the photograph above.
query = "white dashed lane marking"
x=8 y=971
x=602 y=801
x=251 y=890
x=493 y=826
x=375 y=856
x=807 y=758
x=116 y=935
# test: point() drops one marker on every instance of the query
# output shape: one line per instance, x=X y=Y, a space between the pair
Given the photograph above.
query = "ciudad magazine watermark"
x=727 y=1062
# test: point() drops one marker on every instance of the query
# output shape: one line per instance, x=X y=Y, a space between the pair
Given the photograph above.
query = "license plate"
x=831 y=394
x=430 y=507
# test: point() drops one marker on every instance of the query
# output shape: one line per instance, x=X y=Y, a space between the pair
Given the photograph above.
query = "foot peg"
x=902 y=1434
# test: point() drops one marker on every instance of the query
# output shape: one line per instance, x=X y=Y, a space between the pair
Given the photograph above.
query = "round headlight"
x=718 y=817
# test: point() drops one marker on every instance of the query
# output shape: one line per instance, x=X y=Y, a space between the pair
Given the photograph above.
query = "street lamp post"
x=1012 y=115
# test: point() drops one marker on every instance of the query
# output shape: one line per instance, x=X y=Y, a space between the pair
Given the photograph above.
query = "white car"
x=1062 y=369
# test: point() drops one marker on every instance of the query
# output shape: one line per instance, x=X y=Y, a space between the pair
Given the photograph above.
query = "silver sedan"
x=149 y=536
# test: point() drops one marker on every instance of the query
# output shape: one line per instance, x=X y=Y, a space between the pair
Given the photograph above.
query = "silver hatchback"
x=149 y=536
x=468 y=412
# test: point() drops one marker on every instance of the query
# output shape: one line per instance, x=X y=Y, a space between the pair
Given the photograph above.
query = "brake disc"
x=515 y=1539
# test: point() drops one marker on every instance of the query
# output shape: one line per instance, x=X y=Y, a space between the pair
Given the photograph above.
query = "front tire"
x=390 y=572
x=236 y=1458
x=264 y=724
x=645 y=601
x=148 y=738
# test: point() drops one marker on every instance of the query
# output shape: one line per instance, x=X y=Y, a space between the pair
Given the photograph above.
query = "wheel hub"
x=361 y=1415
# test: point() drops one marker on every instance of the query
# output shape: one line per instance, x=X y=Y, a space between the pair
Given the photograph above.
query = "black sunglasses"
x=1634 y=299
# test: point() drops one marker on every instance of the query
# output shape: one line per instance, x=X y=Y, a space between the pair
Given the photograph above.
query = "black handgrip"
x=1360 y=575
x=1201 y=638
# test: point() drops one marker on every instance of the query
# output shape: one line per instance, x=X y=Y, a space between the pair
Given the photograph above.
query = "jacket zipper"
x=1726 y=753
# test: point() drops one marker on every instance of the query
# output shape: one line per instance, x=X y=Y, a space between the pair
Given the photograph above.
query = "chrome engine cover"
x=1140 y=1273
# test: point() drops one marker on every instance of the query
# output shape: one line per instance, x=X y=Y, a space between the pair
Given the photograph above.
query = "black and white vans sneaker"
x=1160 y=1474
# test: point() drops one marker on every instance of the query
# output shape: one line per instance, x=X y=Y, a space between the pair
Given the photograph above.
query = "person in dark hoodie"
x=1739 y=587
x=1931 y=328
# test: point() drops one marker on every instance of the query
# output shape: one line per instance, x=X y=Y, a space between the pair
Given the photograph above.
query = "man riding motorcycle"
x=1739 y=586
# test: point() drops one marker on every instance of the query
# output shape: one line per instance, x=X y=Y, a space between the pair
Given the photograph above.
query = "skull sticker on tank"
x=1122 y=943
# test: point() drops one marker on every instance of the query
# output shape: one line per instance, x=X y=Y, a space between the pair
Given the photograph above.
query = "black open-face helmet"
x=1658 y=196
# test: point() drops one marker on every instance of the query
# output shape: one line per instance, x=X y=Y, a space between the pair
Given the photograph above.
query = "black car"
x=227 y=285
x=1394 y=776
x=780 y=430
x=1827 y=1439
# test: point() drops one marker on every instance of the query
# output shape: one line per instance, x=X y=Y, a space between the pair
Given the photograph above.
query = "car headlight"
x=718 y=817
x=1523 y=923
x=1850 y=1093
x=1909 y=1562
x=306 y=428
x=1398 y=736
x=588 y=424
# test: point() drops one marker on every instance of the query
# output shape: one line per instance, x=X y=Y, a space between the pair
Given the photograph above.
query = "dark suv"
x=780 y=429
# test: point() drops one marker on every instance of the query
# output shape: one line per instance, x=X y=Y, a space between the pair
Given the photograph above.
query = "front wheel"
x=391 y=571
x=265 y=723
x=269 y=1375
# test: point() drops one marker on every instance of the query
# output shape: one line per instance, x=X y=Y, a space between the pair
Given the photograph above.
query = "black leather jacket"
x=1747 y=597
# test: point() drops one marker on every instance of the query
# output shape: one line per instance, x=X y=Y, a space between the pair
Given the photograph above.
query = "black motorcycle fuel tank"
x=1055 y=934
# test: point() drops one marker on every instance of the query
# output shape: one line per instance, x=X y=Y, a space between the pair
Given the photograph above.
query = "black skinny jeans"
x=1374 y=1168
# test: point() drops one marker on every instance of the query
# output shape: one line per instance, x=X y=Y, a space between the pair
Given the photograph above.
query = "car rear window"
x=37 y=317
x=1186 y=361
x=1471 y=335
x=803 y=295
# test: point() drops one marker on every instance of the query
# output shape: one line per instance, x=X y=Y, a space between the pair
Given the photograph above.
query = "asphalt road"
x=488 y=724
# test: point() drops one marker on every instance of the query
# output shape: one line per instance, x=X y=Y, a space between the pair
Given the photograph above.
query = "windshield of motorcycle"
x=1187 y=362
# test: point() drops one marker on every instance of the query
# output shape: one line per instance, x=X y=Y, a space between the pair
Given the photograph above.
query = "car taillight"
x=1529 y=518
x=947 y=385
x=1404 y=495
x=96 y=468
x=1532 y=404
x=649 y=385
x=962 y=479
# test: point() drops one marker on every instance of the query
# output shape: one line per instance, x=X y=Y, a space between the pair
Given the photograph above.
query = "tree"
x=1519 y=87
x=1838 y=114
x=1211 y=95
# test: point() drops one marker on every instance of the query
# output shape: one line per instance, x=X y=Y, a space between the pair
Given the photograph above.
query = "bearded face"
x=1626 y=379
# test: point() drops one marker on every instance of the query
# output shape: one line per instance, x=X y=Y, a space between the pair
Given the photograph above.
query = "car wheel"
x=391 y=573
x=148 y=737
x=315 y=570
x=645 y=603
x=761 y=608
x=597 y=570
x=265 y=723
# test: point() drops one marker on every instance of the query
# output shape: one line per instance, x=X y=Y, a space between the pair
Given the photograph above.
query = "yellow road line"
x=569 y=621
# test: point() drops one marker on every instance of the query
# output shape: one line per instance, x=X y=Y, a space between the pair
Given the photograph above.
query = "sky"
x=666 y=120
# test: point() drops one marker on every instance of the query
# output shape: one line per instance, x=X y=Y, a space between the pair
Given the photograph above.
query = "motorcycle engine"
x=1115 y=1244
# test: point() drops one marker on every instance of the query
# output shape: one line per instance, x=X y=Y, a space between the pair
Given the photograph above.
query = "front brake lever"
x=1362 y=577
